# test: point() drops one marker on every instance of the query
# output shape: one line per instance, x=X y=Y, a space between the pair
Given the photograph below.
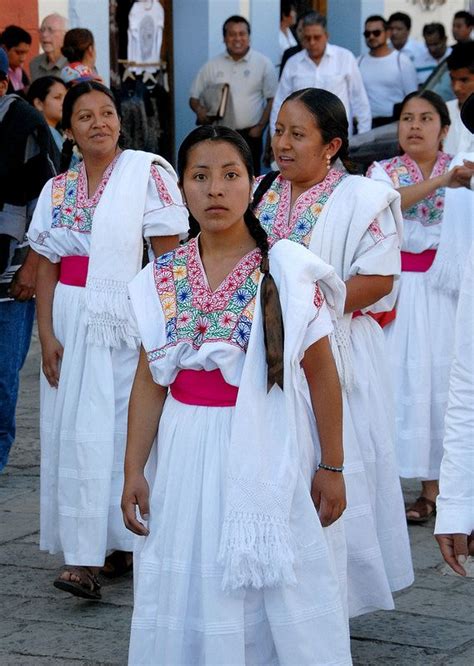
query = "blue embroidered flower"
x=164 y=260
x=302 y=227
x=241 y=332
x=242 y=297
x=171 y=334
x=71 y=191
x=184 y=295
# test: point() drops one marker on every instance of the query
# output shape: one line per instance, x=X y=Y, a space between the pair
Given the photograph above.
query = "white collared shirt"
x=252 y=80
x=425 y=64
x=337 y=72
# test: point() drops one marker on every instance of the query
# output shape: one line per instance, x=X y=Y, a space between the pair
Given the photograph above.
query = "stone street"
x=432 y=623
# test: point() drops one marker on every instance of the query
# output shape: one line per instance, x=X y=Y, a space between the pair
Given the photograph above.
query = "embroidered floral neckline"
x=442 y=160
x=83 y=199
x=297 y=225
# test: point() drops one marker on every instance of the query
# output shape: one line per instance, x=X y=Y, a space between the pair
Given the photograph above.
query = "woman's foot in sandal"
x=421 y=510
x=118 y=563
x=80 y=581
x=425 y=506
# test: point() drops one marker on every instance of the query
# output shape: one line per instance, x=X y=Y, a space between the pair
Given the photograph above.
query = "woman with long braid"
x=354 y=225
x=233 y=564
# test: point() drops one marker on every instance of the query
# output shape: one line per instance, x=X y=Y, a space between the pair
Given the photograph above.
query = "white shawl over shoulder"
x=117 y=249
x=257 y=547
x=344 y=220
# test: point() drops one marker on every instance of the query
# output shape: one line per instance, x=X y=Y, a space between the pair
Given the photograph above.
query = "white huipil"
x=182 y=615
x=420 y=340
x=351 y=224
x=83 y=422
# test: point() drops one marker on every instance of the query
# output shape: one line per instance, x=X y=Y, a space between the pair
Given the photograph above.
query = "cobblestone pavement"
x=432 y=624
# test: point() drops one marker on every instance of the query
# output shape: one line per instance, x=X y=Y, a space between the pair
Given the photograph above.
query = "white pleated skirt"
x=181 y=615
x=420 y=346
x=378 y=548
x=83 y=435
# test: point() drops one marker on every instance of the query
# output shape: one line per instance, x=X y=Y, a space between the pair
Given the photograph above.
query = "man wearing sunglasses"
x=388 y=75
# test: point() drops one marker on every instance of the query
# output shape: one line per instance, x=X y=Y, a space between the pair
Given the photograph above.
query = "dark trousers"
x=380 y=121
x=255 y=145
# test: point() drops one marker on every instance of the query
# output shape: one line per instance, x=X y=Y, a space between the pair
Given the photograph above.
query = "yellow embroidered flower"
x=272 y=197
x=316 y=208
x=57 y=196
x=179 y=272
x=169 y=306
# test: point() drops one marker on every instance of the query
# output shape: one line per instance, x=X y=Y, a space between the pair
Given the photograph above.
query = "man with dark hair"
x=17 y=43
x=461 y=71
x=286 y=39
x=388 y=75
x=299 y=34
x=323 y=65
x=251 y=80
x=26 y=147
x=463 y=26
x=399 y=26
x=437 y=49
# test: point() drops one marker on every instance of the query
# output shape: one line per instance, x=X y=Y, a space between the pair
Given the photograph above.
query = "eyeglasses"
x=50 y=31
x=375 y=33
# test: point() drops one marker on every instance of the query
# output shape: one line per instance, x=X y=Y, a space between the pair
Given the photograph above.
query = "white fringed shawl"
x=457 y=235
x=256 y=546
x=116 y=250
x=345 y=218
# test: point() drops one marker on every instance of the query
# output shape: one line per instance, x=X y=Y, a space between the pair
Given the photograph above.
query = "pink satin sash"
x=203 y=388
x=417 y=263
x=73 y=271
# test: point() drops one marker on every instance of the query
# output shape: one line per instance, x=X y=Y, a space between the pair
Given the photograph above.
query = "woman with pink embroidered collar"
x=353 y=224
x=88 y=229
x=420 y=339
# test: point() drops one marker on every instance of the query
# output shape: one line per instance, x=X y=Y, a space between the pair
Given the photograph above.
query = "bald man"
x=51 y=61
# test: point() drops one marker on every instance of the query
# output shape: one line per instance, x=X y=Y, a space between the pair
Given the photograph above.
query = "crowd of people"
x=238 y=368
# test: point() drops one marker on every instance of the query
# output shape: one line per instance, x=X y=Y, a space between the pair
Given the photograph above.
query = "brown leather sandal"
x=88 y=586
x=424 y=507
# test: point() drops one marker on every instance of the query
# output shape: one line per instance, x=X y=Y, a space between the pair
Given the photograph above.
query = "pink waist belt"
x=203 y=388
x=73 y=271
x=417 y=263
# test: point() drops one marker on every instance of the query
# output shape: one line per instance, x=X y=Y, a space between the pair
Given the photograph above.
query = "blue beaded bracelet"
x=330 y=468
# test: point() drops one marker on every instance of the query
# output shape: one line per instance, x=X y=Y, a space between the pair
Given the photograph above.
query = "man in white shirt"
x=399 y=26
x=461 y=70
x=437 y=49
x=388 y=75
x=286 y=39
x=252 y=79
x=323 y=65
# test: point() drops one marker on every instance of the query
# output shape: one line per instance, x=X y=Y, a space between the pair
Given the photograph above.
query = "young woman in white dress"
x=233 y=565
x=438 y=210
x=88 y=227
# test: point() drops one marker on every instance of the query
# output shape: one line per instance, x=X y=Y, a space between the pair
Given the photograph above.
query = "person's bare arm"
x=459 y=176
x=162 y=244
x=23 y=285
x=51 y=348
x=144 y=412
x=363 y=291
x=257 y=129
x=200 y=110
x=327 y=489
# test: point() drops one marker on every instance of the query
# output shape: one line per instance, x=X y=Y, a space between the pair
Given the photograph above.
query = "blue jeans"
x=16 y=325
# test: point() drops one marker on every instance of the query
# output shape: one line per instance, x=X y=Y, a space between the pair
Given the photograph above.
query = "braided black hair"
x=270 y=302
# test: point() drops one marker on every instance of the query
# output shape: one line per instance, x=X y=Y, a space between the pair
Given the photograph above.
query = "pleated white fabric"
x=83 y=434
x=181 y=615
x=420 y=347
x=376 y=531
